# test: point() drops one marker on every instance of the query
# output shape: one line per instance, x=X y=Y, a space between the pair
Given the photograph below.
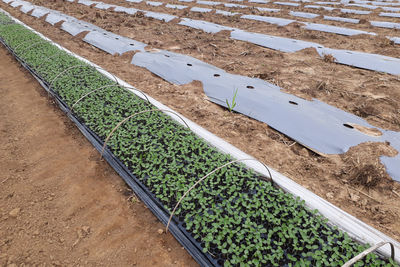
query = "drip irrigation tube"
x=367 y=251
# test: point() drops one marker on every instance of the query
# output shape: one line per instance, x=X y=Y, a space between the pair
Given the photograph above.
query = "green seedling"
x=232 y=105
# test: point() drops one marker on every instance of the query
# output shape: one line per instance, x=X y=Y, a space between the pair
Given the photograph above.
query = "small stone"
x=62 y=240
x=86 y=229
x=354 y=197
x=169 y=249
x=160 y=231
x=330 y=195
x=14 y=213
x=36 y=232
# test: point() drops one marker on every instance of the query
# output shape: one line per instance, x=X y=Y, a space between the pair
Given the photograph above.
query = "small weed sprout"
x=232 y=105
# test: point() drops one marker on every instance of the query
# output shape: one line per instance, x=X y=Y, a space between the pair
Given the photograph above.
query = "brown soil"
x=59 y=204
x=365 y=43
x=339 y=178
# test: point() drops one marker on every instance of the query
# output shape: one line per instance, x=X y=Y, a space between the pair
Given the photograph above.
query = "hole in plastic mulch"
x=250 y=87
x=216 y=75
x=293 y=103
x=189 y=64
x=348 y=126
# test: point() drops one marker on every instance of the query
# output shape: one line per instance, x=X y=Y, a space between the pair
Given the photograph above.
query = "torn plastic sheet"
x=186 y=1
x=134 y=1
x=16 y=3
x=151 y=3
x=355 y=11
x=112 y=43
x=208 y=3
x=54 y=17
x=362 y=60
x=87 y=2
x=74 y=28
x=26 y=7
x=175 y=6
x=385 y=24
x=7 y=1
x=348 y=20
x=159 y=16
x=272 y=20
x=266 y=9
x=392 y=164
x=303 y=14
x=327 y=3
x=286 y=4
x=334 y=29
x=364 y=6
x=257 y=1
x=315 y=124
x=225 y=13
x=393 y=9
x=318 y=7
x=200 y=9
x=392 y=15
x=104 y=6
x=396 y=40
x=204 y=25
x=39 y=12
x=235 y=5
x=273 y=42
x=377 y=3
x=127 y=10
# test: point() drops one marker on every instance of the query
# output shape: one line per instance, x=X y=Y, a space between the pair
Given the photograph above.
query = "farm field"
x=355 y=181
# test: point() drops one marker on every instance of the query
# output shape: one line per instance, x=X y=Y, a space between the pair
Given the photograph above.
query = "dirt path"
x=60 y=205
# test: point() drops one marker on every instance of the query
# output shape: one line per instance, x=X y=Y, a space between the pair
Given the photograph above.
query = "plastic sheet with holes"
x=314 y=124
x=112 y=43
